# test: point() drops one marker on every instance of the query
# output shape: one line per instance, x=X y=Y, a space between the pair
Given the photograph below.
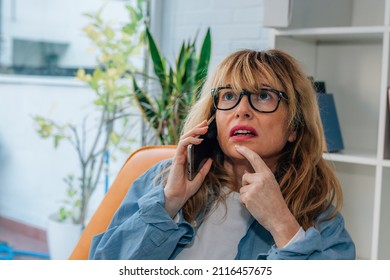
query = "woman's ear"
x=293 y=131
x=292 y=136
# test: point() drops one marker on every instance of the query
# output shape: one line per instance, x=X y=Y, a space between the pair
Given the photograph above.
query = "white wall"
x=234 y=25
x=31 y=171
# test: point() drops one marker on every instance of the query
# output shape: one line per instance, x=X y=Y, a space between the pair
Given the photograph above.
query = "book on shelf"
x=329 y=118
x=388 y=99
x=387 y=129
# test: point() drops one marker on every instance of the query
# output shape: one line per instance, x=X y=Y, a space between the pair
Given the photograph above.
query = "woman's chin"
x=235 y=156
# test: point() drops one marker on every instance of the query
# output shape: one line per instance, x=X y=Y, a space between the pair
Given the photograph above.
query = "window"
x=45 y=37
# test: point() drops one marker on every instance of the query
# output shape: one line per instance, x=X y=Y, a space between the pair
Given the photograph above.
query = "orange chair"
x=136 y=164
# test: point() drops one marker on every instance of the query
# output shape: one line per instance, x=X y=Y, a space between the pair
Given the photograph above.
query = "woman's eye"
x=228 y=96
x=264 y=95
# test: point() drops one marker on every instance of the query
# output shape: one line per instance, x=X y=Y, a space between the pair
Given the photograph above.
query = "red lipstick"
x=242 y=132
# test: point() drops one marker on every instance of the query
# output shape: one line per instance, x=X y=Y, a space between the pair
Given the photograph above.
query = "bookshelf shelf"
x=349 y=158
x=346 y=44
x=331 y=34
x=386 y=163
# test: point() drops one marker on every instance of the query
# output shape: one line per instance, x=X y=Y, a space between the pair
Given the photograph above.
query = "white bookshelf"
x=346 y=43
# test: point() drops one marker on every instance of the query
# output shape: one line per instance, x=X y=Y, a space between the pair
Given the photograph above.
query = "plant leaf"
x=158 y=60
x=144 y=104
x=57 y=139
x=180 y=58
x=115 y=138
x=204 y=58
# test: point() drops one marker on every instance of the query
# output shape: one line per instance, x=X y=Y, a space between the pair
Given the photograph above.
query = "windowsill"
x=41 y=80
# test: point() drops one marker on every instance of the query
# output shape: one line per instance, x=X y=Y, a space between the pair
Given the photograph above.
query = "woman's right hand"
x=179 y=189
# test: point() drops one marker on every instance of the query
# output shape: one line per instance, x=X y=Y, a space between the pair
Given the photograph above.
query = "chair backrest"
x=137 y=163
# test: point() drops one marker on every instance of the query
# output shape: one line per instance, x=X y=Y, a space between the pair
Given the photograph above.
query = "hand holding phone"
x=197 y=155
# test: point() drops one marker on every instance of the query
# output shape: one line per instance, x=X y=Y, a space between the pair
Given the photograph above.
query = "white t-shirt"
x=218 y=236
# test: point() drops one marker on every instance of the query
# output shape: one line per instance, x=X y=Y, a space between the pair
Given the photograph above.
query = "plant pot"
x=62 y=237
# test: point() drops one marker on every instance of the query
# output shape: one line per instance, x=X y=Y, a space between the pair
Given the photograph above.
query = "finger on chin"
x=254 y=159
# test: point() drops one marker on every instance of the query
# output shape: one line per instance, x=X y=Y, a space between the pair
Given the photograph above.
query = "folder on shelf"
x=387 y=136
x=388 y=97
x=330 y=122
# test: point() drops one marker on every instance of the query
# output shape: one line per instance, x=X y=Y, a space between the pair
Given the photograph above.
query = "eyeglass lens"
x=265 y=100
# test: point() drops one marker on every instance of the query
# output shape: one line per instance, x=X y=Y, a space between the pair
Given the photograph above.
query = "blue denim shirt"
x=142 y=229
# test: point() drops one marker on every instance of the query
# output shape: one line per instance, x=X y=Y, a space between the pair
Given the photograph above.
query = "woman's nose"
x=243 y=109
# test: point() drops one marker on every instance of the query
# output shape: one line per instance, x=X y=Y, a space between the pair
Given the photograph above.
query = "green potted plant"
x=110 y=132
x=179 y=87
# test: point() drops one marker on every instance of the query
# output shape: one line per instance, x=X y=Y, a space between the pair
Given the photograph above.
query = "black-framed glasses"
x=266 y=100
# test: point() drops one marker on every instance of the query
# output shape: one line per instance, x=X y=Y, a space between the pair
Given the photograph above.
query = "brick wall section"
x=15 y=227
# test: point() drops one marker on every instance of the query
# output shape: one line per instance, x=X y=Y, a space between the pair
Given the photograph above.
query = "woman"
x=267 y=194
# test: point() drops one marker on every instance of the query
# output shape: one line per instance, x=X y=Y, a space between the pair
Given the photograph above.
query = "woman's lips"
x=242 y=132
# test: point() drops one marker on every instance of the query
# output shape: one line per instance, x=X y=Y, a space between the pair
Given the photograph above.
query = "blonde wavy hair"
x=308 y=184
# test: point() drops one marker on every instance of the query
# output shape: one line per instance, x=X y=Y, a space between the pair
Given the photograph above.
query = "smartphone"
x=198 y=154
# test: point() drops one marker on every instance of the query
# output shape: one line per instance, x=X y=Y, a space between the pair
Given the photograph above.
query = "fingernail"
x=237 y=146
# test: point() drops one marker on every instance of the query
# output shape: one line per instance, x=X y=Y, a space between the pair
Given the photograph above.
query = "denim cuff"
x=152 y=211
